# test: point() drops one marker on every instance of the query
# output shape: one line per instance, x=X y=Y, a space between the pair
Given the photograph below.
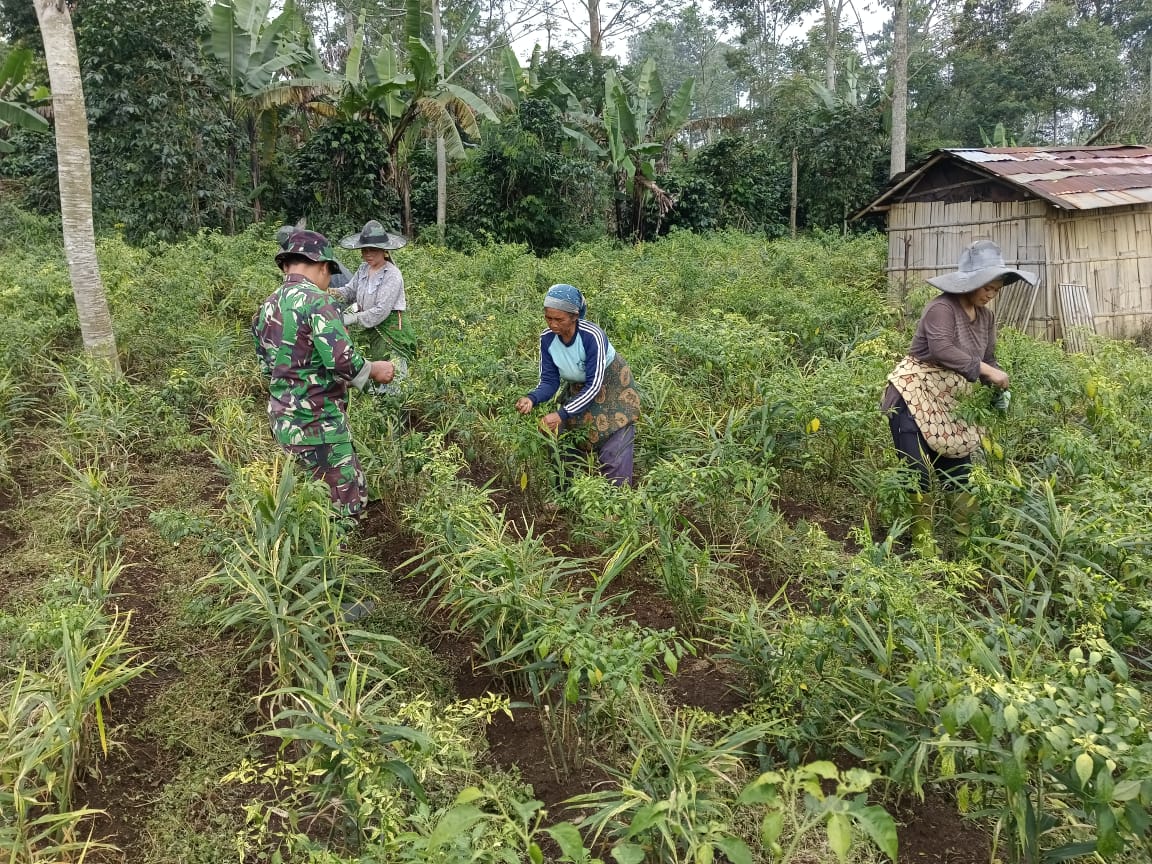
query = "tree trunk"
x=896 y=161
x=795 y=191
x=595 y=36
x=75 y=178
x=254 y=167
x=406 y=202
x=441 y=156
x=832 y=9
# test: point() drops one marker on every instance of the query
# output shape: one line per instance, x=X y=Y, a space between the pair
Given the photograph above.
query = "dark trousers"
x=914 y=450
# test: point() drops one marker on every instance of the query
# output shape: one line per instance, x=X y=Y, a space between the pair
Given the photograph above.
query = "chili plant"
x=784 y=827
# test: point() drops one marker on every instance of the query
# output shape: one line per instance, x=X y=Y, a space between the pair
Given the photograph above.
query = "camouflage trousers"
x=338 y=466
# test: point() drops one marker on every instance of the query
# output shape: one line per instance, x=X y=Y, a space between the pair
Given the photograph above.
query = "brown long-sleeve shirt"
x=947 y=338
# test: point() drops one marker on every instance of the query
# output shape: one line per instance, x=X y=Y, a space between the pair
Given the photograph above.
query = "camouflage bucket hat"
x=340 y=277
x=307 y=244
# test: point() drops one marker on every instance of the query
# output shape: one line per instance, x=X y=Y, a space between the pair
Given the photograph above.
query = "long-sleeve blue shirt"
x=581 y=361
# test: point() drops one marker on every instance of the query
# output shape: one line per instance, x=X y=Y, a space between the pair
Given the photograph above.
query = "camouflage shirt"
x=305 y=350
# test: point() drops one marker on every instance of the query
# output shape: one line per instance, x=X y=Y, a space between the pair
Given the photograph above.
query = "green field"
x=740 y=659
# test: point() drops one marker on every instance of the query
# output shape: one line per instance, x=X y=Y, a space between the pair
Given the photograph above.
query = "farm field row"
x=740 y=659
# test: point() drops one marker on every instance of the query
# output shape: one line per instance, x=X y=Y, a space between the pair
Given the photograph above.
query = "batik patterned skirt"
x=616 y=405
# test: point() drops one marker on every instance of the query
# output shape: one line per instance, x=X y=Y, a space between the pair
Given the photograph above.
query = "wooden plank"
x=1076 y=319
x=1014 y=305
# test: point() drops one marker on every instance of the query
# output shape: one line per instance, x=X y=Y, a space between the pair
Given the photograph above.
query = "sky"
x=871 y=14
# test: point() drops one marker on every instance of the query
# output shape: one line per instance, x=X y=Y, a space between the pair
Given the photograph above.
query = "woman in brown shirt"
x=955 y=343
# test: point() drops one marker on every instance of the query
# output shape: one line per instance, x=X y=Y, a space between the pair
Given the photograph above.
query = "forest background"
x=220 y=115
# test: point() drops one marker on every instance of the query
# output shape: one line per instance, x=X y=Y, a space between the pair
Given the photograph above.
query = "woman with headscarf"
x=376 y=292
x=600 y=393
x=954 y=346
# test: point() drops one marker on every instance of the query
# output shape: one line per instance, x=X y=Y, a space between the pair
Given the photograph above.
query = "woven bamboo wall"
x=1110 y=252
x=926 y=238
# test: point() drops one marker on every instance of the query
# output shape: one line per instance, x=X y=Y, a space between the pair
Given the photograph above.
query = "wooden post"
x=795 y=183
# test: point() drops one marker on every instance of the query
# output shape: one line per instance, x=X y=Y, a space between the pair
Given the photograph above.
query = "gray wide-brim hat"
x=980 y=263
x=373 y=236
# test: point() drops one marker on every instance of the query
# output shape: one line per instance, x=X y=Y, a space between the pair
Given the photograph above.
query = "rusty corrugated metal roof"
x=1071 y=178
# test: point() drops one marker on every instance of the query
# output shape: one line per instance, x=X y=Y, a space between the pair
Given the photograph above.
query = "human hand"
x=995 y=377
x=524 y=405
x=550 y=423
x=349 y=319
x=382 y=372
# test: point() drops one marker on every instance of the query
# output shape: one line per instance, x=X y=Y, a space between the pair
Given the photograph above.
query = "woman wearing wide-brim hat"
x=376 y=292
x=954 y=346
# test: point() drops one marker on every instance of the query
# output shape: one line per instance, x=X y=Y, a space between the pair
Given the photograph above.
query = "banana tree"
x=405 y=99
x=640 y=122
x=518 y=83
x=19 y=98
x=267 y=65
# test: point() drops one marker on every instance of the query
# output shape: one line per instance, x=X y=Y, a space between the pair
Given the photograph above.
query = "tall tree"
x=441 y=151
x=1067 y=72
x=601 y=20
x=1044 y=73
x=761 y=25
x=689 y=46
x=407 y=99
x=899 y=88
x=75 y=179
x=833 y=10
x=640 y=121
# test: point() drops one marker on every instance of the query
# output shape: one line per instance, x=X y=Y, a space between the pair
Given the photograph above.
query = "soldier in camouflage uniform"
x=305 y=350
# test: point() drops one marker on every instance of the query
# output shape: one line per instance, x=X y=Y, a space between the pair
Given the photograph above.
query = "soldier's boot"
x=962 y=506
x=923 y=540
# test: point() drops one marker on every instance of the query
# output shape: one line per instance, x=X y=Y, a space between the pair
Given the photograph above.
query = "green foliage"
x=159 y=131
x=522 y=186
x=1012 y=676
x=838 y=812
x=843 y=162
x=639 y=121
x=284 y=585
x=15 y=92
x=733 y=183
x=677 y=798
x=55 y=725
x=335 y=179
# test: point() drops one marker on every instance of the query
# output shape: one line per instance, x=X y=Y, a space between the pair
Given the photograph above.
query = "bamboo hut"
x=1080 y=216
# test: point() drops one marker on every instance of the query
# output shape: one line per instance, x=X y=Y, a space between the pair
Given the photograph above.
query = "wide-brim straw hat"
x=373 y=236
x=980 y=263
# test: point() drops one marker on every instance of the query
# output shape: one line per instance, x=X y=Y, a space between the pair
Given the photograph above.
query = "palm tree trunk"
x=75 y=178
